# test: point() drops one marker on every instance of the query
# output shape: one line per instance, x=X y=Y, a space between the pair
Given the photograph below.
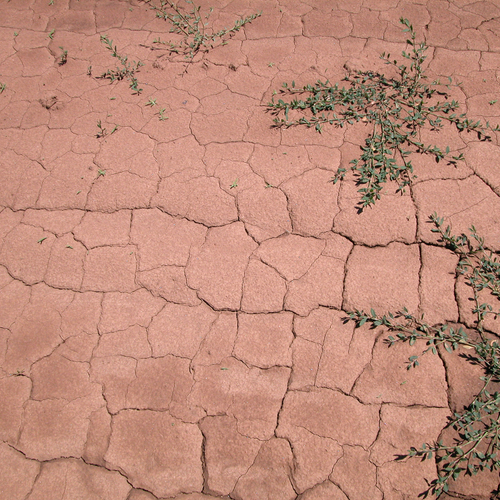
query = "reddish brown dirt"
x=170 y=327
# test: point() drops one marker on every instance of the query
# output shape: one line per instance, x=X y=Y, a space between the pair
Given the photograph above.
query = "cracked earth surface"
x=172 y=294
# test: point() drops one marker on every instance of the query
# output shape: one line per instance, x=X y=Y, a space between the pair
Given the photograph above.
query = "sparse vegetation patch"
x=397 y=109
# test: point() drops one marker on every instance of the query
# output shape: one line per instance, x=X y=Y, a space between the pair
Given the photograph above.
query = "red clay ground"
x=170 y=326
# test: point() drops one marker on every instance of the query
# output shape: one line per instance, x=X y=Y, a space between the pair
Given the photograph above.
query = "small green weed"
x=127 y=69
x=161 y=115
x=477 y=427
x=102 y=130
x=63 y=58
x=3 y=86
x=51 y=34
x=397 y=108
x=194 y=27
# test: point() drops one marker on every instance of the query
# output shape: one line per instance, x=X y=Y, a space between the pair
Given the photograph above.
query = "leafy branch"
x=477 y=445
x=194 y=27
x=396 y=107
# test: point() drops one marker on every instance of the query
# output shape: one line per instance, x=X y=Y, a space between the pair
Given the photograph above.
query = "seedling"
x=493 y=102
x=161 y=115
x=194 y=27
x=41 y=240
x=134 y=86
x=234 y=184
x=63 y=58
x=477 y=427
x=397 y=109
x=101 y=172
x=127 y=69
x=51 y=34
x=3 y=86
x=151 y=102
x=102 y=130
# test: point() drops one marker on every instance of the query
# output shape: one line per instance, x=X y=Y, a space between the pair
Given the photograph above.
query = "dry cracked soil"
x=172 y=291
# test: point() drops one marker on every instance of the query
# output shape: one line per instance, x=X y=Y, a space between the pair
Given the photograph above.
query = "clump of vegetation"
x=396 y=107
x=127 y=69
x=194 y=27
x=477 y=427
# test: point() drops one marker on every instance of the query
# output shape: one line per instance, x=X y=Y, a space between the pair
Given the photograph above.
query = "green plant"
x=397 y=108
x=193 y=27
x=3 y=86
x=63 y=58
x=161 y=115
x=127 y=69
x=51 y=34
x=477 y=427
x=103 y=131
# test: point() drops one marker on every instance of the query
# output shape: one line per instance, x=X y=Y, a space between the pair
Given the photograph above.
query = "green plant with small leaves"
x=3 y=86
x=63 y=57
x=397 y=108
x=194 y=27
x=102 y=132
x=477 y=427
x=127 y=69
x=161 y=115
